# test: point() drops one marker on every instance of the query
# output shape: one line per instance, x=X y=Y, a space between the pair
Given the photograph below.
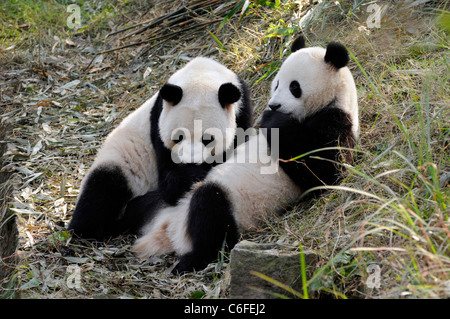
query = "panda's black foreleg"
x=103 y=199
x=176 y=180
x=173 y=184
x=210 y=224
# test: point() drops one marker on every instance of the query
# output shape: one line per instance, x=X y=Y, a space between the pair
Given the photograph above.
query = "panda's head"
x=200 y=105
x=310 y=78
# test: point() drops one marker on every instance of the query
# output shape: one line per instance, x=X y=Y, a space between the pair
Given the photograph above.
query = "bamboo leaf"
x=218 y=42
x=230 y=14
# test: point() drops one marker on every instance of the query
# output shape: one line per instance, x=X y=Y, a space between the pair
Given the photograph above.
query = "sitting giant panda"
x=168 y=143
x=313 y=105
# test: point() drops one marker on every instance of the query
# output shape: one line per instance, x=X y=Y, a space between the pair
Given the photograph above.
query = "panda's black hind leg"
x=102 y=201
x=210 y=225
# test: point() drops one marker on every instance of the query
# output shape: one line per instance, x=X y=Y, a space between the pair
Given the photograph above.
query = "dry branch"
x=178 y=19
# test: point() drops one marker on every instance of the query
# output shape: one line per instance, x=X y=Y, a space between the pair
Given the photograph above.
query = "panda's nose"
x=274 y=107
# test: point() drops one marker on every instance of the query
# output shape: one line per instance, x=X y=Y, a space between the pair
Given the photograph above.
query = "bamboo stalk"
x=162 y=36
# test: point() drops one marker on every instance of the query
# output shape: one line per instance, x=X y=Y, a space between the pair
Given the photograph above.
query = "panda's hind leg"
x=210 y=224
x=102 y=201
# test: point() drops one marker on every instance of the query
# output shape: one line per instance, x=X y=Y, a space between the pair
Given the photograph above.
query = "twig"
x=159 y=37
x=154 y=23
x=131 y=27
x=161 y=42
x=127 y=28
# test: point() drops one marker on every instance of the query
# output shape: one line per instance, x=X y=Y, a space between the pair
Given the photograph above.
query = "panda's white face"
x=200 y=124
x=305 y=83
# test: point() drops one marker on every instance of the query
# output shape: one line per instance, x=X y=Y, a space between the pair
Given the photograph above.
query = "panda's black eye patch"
x=207 y=139
x=178 y=137
x=295 y=89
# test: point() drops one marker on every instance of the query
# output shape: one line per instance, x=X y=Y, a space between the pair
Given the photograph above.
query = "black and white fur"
x=314 y=105
x=137 y=156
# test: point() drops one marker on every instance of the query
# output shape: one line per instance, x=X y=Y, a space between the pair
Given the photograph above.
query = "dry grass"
x=397 y=220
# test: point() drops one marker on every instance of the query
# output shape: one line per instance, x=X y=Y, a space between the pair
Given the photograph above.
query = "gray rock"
x=278 y=262
x=444 y=180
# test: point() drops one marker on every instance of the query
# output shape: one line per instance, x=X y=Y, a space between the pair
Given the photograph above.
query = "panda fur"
x=314 y=105
x=136 y=157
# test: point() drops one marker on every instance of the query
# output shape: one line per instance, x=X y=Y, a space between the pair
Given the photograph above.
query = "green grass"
x=405 y=217
x=24 y=23
x=20 y=20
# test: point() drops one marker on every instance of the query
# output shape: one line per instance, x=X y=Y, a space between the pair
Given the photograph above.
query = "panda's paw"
x=188 y=263
x=87 y=233
x=181 y=269
x=173 y=186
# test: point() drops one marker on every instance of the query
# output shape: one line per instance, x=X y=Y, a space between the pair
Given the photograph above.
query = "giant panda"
x=168 y=143
x=313 y=106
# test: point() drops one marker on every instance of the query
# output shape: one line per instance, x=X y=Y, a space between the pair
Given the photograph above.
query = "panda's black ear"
x=336 y=55
x=228 y=94
x=171 y=93
x=298 y=44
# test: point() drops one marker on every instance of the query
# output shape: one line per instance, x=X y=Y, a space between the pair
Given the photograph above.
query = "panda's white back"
x=252 y=192
x=129 y=146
